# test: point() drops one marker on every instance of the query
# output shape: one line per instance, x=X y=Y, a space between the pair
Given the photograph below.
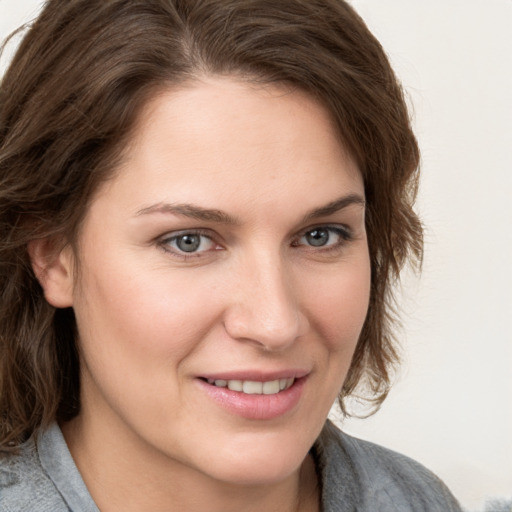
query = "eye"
x=188 y=243
x=325 y=236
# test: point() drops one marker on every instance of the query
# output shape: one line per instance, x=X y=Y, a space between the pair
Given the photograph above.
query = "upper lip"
x=256 y=375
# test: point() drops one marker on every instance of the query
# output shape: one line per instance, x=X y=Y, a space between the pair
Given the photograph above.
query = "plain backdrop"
x=451 y=407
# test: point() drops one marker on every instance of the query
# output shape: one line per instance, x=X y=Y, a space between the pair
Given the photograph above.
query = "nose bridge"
x=266 y=309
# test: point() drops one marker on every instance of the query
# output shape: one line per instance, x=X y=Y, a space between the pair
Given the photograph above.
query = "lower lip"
x=256 y=407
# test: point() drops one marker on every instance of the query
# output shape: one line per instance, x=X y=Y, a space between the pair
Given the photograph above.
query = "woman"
x=203 y=207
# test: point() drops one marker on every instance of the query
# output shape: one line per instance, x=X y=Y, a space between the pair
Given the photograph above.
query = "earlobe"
x=54 y=270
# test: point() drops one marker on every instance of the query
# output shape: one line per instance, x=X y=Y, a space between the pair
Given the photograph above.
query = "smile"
x=250 y=387
x=254 y=399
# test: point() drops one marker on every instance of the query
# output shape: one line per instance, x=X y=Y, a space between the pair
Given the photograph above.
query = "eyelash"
x=343 y=232
x=165 y=242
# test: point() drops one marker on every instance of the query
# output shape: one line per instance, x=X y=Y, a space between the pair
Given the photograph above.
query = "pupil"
x=318 y=237
x=188 y=243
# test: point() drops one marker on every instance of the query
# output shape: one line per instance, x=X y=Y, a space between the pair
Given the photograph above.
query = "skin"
x=257 y=296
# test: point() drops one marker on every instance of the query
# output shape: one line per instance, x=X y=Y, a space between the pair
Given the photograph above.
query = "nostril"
x=268 y=334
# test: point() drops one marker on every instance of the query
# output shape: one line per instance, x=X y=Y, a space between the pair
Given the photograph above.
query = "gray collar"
x=60 y=467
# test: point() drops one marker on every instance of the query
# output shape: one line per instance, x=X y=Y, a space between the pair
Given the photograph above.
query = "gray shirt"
x=355 y=475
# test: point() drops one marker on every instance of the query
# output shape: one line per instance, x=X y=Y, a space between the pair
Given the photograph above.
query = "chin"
x=258 y=461
x=260 y=472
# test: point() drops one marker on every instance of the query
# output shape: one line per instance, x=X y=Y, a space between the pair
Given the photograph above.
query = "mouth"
x=251 y=387
x=255 y=397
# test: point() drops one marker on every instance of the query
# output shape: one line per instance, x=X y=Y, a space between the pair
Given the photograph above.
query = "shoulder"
x=24 y=485
x=385 y=480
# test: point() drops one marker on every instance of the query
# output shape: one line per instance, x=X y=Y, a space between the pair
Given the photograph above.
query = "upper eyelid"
x=214 y=235
x=330 y=226
x=164 y=244
x=171 y=235
x=218 y=239
x=343 y=231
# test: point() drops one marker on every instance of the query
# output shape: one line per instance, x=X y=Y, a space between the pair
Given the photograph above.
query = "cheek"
x=337 y=310
x=339 y=306
x=138 y=316
x=136 y=334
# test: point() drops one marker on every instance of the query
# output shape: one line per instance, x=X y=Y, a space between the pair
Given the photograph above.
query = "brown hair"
x=72 y=94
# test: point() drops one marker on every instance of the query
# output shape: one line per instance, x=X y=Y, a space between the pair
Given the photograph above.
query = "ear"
x=53 y=268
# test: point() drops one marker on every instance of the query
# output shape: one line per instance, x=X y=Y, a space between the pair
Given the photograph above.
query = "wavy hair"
x=69 y=100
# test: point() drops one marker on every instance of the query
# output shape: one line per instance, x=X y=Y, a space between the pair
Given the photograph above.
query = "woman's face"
x=224 y=281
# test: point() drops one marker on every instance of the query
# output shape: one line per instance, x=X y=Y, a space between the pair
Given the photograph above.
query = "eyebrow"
x=221 y=217
x=335 y=206
x=191 y=211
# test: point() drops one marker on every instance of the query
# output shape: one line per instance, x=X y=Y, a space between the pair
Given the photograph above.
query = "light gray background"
x=452 y=405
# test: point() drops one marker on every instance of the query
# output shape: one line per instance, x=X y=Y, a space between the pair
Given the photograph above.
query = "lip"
x=256 y=376
x=255 y=407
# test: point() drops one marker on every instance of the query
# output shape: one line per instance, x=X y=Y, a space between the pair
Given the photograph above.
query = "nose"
x=265 y=306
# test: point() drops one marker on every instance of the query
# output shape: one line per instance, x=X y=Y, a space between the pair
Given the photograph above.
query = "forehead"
x=227 y=107
x=219 y=137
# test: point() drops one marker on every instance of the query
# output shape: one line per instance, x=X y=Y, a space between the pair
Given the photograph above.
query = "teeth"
x=250 y=387
x=270 y=388
x=235 y=385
